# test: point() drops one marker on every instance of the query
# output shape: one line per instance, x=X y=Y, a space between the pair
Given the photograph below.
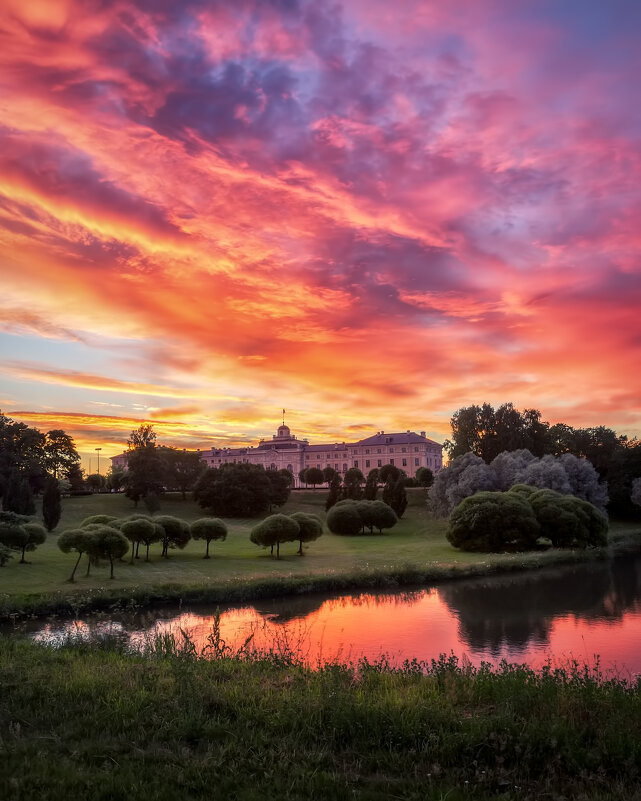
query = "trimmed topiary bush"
x=208 y=529
x=273 y=530
x=344 y=519
x=310 y=528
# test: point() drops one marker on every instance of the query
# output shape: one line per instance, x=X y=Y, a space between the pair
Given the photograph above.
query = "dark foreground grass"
x=98 y=723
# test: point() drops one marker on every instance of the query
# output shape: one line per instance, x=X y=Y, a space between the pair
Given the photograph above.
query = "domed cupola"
x=283 y=431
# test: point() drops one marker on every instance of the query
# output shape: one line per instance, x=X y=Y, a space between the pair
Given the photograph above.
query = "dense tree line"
x=242 y=489
x=487 y=432
x=468 y=474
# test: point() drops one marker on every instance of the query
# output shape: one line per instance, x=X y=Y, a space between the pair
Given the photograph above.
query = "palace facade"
x=284 y=451
x=406 y=449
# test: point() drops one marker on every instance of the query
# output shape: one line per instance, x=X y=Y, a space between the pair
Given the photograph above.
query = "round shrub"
x=567 y=521
x=344 y=519
x=491 y=522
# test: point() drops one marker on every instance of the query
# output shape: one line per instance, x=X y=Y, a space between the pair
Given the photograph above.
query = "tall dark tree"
x=181 y=468
x=145 y=468
x=333 y=495
x=353 y=484
x=51 y=504
x=371 y=485
x=280 y=482
x=60 y=453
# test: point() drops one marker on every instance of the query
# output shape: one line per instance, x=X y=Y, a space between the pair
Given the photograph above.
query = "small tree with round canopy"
x=176 y=533
x=109 y=543
x=75 y=539
x=36 y=535
x=310 y=528
x=139 y=530
x=208 y=529
x=314 y=476
x=273 y=530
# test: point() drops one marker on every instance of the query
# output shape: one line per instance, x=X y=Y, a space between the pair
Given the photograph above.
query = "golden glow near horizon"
x=207 y=214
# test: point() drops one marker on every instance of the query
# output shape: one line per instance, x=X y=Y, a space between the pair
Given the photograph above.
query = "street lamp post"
x=98 y=449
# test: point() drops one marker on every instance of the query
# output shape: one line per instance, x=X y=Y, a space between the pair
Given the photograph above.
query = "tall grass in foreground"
x=174 y=722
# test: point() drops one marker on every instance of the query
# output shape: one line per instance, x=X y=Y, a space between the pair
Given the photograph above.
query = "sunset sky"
x=369 y=213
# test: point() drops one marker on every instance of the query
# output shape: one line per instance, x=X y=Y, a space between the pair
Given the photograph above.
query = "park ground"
x=415 y=552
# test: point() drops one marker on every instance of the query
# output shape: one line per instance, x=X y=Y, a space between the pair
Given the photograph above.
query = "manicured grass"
x=97 y=723
x=413 y=552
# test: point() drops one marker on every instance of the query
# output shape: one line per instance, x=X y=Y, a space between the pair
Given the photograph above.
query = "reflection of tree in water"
x=518 y=610
x=282 y=610
x=625 y=593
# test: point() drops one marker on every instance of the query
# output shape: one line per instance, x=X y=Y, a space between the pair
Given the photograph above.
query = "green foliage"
x=398 y=497
x=371 y=485
x=139 y=530
x=310 y=528
x=568 y=522
x=234 y=490
x=176 y=533
x=273 y=530
x=382 y=515
x=280 y=487
x=352 y=484
x=108 y=543
x=344 y=519
x=17 y=533
x=18 y=496
x=314 y=476
x=208 y=529
x=181 y=468
x=424 y=477
x=51 y=504
x=60 y=454
x=328 y=474
x=101 y=519
x=388 y=474
x=493 y=522
x=116 y=479
x=334 y=491
x=79 y=540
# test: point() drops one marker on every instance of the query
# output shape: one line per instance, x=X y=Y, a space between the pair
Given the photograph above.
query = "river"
x=585 y=612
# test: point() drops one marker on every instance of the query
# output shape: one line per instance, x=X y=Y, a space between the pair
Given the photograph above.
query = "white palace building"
x=407 y=450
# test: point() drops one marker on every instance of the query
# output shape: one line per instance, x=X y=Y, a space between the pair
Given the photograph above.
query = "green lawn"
x=414 y=551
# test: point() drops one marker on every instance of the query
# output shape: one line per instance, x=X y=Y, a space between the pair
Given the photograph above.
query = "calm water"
x=556 y=614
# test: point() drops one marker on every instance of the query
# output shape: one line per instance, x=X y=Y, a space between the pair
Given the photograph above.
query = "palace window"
x=355 y=462
x=417 y=461
x=366 y=450
x=366 y=462
x=404 y=462
x=403 y=450
x=378 y=450
x=391 y=450
x=416 y=449
x=391 y=461
x=344 y=468
x=380 y=462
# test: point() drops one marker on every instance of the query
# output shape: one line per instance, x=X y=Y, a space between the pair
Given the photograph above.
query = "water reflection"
x=575 y=611
x=518 y=612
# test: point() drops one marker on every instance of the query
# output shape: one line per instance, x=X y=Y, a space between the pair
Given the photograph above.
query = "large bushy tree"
x=145 y=471
x=234 y=490
x=492 y=522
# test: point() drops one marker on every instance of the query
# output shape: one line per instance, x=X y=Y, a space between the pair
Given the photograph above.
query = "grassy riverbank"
x=90 y=723
x=414 y=552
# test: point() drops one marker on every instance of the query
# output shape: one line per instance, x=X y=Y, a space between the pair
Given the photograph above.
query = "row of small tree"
x=102 y=537
x=349 y=517
x=276 y=529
